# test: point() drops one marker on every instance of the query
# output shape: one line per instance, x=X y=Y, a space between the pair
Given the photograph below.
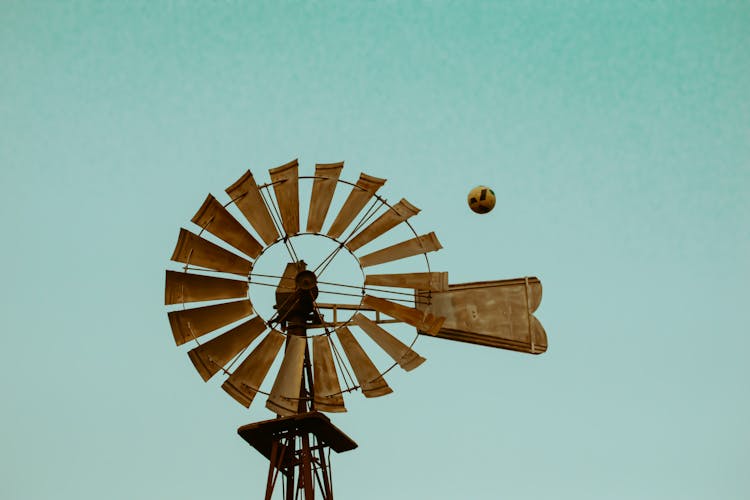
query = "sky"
x=616 y=136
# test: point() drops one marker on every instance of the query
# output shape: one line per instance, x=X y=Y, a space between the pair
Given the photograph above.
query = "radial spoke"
x=276 y=217
x=375 y=205
x=330 y=283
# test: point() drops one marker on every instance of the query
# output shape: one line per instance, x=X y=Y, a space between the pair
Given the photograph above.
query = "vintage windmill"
x=322 y=358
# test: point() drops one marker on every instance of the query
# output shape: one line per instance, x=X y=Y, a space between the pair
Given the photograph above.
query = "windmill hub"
x=306 y=280
x=313 y=249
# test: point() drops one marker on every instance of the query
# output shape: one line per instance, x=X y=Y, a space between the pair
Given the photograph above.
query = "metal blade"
x=245 y=382
x=286 y=187
x=212 y=356
x=390 y=219
x=193 y=250
x=327 y=175
x=492 y=313
x=368 y=376
x=214 y=218
x=328 y=396
x=425 y=322
x=436 y=282
x=190 y=324
x=358 y=198
x=247 y=197
x=400 y=352
x=415 y=246
x=285 y=395
x=187 y=287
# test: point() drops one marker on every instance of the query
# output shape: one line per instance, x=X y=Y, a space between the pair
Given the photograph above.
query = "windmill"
x=330 y=347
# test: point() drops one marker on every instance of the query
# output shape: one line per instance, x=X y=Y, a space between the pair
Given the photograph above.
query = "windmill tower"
x=322 y=357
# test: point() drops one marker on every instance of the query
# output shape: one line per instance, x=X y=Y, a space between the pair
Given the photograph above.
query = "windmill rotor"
x=224 y=248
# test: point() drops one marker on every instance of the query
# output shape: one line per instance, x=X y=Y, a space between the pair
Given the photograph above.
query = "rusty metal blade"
x=212 y=356
x=492 y=313
x=415 y=246
x=286 y=187
x=400 y=352
x=184 y=287
x=245 y=382
x=285 y=394
x=189 y=324
x=368 y=376
x=327 y=175
x=390 y=219
x=367 y=185
x=328 y=396
x=214 y=218
x=247 y=197
x=421 y=320
x=193 y=250
x=436 y=282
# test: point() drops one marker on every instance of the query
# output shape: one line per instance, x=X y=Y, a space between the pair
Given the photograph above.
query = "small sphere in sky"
x=481 y=199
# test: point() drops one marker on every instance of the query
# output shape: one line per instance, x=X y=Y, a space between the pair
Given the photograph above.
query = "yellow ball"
x=481 y=199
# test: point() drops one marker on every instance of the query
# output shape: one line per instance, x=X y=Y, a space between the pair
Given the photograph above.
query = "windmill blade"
x=184 y=287
x=367 y=186
x=435 y=282
x=400 y=352
x=190 y=324
x=245 y=382
x=492 y=313
x=328 y=396
x=426 y=322
x=247 y=197
x=415 y=246
x=390 y=219
x=368 y=376
x=327 y=175
x=212 y=356
x=214 y=218
x=286 y=187
x=285 y=394
x=193 y=250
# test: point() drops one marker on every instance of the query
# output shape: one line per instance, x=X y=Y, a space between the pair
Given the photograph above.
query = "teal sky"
x=615 y=134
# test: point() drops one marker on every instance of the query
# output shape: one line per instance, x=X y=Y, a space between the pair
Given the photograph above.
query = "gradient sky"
x=615 y=134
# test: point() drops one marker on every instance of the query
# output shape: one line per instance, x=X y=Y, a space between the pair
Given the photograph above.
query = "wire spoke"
x=276 y=218
x=369 y=213
x=331 y=283
x=351 y=294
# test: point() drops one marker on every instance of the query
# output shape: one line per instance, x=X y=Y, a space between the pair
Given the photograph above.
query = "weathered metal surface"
x=181 y=287
x=246 y=195
x=436 y=282
x=328 y=396
x=492 y=313
x=212 y=356
x=261 y=435
x=214 y=218
x=285 y=294
x=355 y=202
x=246 y=380
x=285 y=394
x=400 y=352
x=189 y=324
x=415 y=246
x=324 y=186
x=286 y=187
x=335 y=308
x=390 y=219
x=421 y=320
x=368 y=376
x=193 y=250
